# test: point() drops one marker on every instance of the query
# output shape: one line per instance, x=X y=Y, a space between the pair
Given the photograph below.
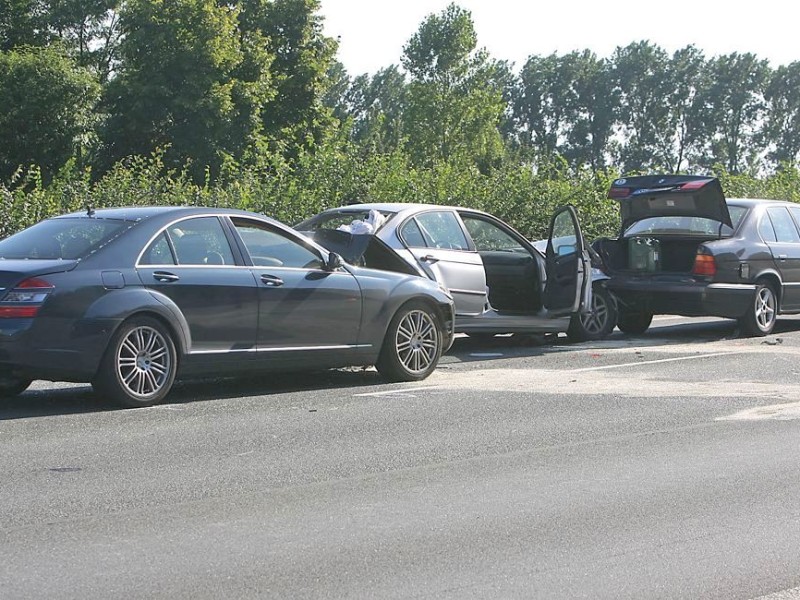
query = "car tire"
x=139 y=366
x=760 y=318
x=413 y=344
x=598 y=323
x=11 y=385
x=634 y=323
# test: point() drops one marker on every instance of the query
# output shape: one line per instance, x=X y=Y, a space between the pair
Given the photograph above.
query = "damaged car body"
x=500 y=282
x=684 y=249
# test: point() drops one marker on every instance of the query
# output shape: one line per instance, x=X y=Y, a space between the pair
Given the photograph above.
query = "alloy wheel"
x=417 y=341
x=143 y=362
x=765 y=308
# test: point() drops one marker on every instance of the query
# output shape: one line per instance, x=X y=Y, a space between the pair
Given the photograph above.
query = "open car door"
x=567 y=264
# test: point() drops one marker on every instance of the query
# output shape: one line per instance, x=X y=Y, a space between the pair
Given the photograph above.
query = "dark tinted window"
x=783 y=224
x=200 y=241
x=158 y=252
x=61 y=238
x=270 y=247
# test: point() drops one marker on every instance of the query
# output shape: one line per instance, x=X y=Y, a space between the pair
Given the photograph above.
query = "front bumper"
x=686 y=296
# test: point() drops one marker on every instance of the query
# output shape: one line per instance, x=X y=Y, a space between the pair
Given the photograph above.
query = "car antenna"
x=89 y=210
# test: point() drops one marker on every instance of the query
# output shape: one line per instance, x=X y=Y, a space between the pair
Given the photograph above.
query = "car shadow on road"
x=74 y=399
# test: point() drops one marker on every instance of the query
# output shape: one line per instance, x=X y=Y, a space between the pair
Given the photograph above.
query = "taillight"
x=25 y=300
x=694 y=185
x=704 y=264
x=619 y=192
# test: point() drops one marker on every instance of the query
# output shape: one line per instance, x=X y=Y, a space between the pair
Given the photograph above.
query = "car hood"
x=669 y=195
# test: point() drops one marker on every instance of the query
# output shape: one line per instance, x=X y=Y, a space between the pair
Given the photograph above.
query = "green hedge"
x=516 y=192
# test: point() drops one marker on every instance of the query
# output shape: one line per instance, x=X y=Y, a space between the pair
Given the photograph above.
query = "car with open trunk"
x=684 y=249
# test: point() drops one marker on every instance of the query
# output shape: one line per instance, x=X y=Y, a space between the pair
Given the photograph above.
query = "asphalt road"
x=663 y=466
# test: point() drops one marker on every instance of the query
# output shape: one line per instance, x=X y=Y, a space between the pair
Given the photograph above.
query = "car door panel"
x=567 y=288
x=438 y=241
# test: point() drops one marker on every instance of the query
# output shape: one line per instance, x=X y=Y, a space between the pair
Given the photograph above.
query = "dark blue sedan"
x=131 y=298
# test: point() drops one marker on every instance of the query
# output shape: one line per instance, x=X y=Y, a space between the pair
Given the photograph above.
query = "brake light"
x=694 y=185
x=705 y=265
x=619 y=192
x=25 y=300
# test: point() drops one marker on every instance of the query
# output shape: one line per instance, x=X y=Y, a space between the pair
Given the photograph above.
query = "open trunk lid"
x=669 y=195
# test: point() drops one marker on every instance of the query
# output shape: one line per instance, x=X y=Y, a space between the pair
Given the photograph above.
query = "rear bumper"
x=684 y=297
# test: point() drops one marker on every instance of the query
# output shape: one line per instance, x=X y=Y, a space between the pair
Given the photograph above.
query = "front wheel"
x=140 y=364
x=634 y=323
x=599 y=322
x=11 y=385
x=413 y=344
x=759 y=320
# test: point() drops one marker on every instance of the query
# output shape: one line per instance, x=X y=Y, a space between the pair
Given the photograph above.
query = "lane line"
x=660 y=360
x=398 y=391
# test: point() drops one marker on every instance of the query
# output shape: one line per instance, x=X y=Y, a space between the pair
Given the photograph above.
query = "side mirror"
x=334 y=262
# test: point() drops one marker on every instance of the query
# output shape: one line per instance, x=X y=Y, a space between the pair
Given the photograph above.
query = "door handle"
x=783 y=256
x=429 y=258
x=271 y=281
x=165 y=277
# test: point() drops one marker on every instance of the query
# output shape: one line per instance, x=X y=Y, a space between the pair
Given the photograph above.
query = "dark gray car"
x=129 y=299
x=684 y=249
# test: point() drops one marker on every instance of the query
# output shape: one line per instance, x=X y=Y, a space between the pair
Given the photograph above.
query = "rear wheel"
x=759 y=320
x=599 y=322
x=139 y=366
x=413 y=344
x=11 y=385
x=634 y=323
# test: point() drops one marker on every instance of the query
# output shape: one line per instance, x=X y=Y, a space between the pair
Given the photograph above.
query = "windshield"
x=334 y=220
x=61 y=239
x=687 y=225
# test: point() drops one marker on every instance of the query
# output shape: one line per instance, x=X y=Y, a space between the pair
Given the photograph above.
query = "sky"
x=372 y=33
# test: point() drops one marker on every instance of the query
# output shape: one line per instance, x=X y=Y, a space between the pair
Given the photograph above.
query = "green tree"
x=645 y=112
x=47 y=114
x=296 y=117
x=176 y=87
x=23 y=23
x=783 y=116
x=454 y=102
x=736 y=108
x=377 y=106
x=689 y=120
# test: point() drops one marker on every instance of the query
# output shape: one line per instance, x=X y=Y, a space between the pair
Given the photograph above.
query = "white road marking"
x=775 y=412
x=398 y=391
x=792 y=594
x=653 y=362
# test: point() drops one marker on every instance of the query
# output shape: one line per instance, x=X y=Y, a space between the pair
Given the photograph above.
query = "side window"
x=488 y=236
x=270 y=247
x=765 y=229
x=441 y=229
x=564 y=239
x=412 y=235
x=783 y=224
x=158 y=252
x=200 y=241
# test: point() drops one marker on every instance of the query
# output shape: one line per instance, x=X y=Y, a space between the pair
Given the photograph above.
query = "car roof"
x=750 y=202
x=139 y=213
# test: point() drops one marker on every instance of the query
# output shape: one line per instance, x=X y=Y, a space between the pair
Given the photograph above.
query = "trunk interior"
x=649 y=254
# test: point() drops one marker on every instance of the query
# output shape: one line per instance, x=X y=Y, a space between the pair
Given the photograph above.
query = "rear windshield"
x=687 y=225
x=61 y=238
x=337 y=219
